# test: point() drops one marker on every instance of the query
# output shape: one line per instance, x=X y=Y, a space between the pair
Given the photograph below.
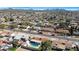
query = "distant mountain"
x=41 y=8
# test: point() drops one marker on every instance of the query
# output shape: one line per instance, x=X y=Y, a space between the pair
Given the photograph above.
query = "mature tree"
x=6 y=19
x=11 y=19
x=12 y=26
x=71 y=29
x=2 y=26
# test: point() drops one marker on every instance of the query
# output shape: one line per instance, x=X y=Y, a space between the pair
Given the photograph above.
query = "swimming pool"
x=35 y=44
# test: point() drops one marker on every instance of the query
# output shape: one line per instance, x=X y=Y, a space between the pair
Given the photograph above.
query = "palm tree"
x=15 y=43
x=46 y=45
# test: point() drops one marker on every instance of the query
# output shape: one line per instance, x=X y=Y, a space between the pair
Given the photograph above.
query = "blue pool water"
x=34 y=43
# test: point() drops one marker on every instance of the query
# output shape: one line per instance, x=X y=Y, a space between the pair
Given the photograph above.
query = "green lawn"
x=12 y=49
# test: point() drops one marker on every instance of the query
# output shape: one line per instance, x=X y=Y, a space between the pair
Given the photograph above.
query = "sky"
x=39 y=3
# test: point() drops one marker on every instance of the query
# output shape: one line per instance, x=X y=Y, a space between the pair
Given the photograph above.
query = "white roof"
x=13 y=34
x=36 y=41
x=28 y=27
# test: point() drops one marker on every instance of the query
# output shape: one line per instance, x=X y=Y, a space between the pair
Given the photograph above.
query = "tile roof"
x=62 y=43
x=40 y=39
